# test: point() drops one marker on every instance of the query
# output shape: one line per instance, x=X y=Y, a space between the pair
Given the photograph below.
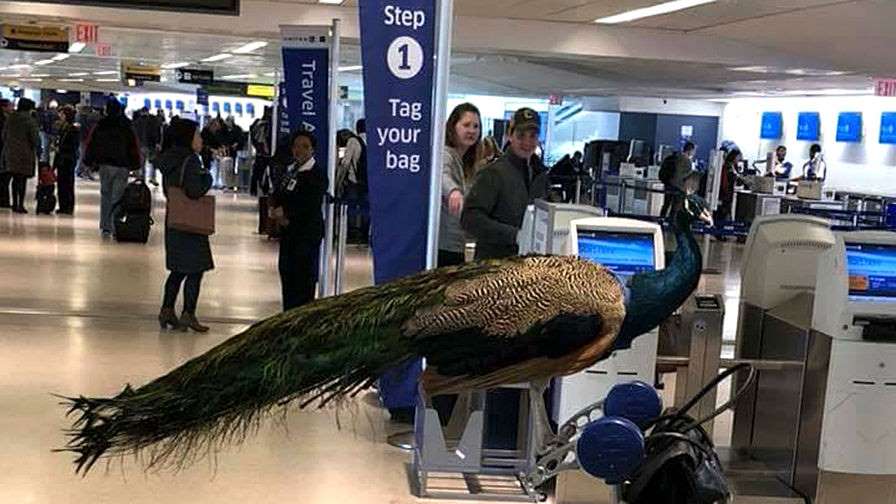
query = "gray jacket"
x=451 y=236
x=685 y=175
x=495 y=207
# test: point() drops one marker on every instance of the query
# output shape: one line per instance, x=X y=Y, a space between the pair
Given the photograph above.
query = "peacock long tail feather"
x=323 y=352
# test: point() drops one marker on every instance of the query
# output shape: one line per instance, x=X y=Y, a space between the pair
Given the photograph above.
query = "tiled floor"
x=77 y=316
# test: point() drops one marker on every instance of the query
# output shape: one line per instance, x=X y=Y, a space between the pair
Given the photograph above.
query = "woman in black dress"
x=187 y=255
x=296 y=203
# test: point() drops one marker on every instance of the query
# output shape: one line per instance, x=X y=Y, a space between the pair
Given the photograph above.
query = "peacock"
x=478 y=325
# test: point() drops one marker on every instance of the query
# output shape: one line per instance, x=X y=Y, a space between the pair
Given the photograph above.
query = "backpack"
x=136 y=198
x=667 y=169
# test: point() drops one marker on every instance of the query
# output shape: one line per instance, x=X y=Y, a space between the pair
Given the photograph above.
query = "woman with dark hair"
x=187 y=255
x=69 y=141
x=463 y=133
x=21 y=147
x=296 y=205
x=729 y=175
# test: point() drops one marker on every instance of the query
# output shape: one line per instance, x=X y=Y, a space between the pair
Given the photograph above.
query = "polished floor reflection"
x=77 y=316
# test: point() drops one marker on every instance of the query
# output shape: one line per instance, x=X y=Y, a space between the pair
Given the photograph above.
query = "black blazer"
x=301 y=194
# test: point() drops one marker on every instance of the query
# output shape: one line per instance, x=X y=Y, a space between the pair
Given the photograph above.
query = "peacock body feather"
x=479 y=325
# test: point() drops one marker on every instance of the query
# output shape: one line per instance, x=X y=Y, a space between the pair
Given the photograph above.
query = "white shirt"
x=307 y=166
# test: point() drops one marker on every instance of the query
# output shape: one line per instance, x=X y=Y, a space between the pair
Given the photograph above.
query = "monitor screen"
x=888 y=128
x=623 y=253
x=772 y=126
x=849 y=127
x=808 y=126
x=872 y=270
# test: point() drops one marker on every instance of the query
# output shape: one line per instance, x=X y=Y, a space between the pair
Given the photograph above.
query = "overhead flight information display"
x=625 y=254
x=229 y=7
x=872 y=270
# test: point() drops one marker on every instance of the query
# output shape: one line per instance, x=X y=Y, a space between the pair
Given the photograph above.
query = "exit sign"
x=87 y=33
x=885 y=87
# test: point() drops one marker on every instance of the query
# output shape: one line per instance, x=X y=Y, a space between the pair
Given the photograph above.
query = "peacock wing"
x=538 y=317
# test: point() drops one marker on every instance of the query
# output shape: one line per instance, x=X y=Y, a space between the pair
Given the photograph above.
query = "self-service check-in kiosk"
x=818 y=315
x=777 y=424
x=856 y=306
x=626 y=247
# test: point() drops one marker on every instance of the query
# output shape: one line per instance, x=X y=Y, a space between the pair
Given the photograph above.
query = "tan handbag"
x=190 y=215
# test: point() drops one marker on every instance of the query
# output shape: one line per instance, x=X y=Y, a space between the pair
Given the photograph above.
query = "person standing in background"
x=21 y=150
x=729 y=175
x=815 y=168
x=494 y=209
x=355 y=190
x=463 y=133
x=187 y=255
x=69 y=142
x=5 y=201
x=681 y=180
x=296 y=204
x=113 y=148
x=260 y=136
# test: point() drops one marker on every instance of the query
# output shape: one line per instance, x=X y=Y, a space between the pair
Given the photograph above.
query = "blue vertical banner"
x=306 y=85
x=397 y=44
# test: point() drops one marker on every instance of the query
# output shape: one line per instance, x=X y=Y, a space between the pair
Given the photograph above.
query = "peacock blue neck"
x=655 y=296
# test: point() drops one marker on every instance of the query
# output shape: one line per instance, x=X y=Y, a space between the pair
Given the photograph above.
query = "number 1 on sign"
x=404 y=57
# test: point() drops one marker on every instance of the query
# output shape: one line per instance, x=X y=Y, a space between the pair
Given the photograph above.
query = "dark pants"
x=19 y=182
x=448 y=258
x=298 y=264
x=258 y=168
x=672 y=201
x=356 y=197
x=191 y=290
x=5 y=201
x=65 y=179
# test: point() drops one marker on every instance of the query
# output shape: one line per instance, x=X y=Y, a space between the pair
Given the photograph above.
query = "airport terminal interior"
x=328 y=251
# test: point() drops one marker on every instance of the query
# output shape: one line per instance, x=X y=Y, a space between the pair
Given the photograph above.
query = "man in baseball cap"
x=494 y=209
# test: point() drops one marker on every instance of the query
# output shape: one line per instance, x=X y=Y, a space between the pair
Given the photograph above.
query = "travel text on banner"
x=306 y=71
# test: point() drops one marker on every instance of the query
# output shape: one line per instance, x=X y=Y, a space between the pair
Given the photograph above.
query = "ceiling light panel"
x=653 y=10
x=218 y=57
x=251 y=46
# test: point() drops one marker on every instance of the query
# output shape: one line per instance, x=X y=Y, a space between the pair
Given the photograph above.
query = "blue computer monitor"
x=888 y=128
x=808 y=126
x=625 y=254
x=849 y=127
x=772 y=126
x=872 y=270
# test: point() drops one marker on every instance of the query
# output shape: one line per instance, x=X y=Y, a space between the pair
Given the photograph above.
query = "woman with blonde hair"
x=463 y=135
